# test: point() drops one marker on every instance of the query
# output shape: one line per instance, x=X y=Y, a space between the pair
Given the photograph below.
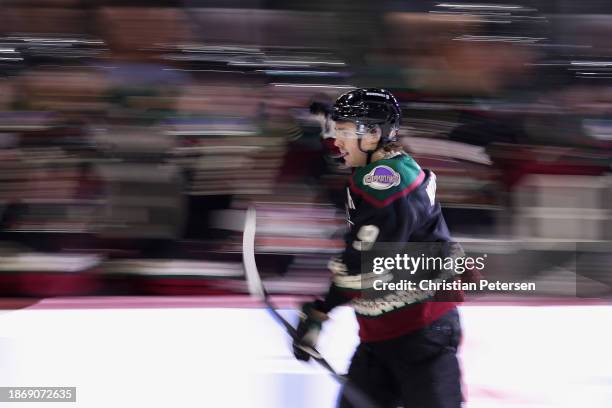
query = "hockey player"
x=407 y=354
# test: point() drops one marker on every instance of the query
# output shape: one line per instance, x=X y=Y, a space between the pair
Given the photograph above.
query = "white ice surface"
x=513 y=356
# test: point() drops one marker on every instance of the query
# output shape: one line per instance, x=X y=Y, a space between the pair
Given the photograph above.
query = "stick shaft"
x=256 y=288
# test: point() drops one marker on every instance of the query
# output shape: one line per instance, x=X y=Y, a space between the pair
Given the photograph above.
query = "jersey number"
x=431 y=189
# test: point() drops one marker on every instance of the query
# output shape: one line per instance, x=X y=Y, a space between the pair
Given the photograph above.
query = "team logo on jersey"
x=382 y=178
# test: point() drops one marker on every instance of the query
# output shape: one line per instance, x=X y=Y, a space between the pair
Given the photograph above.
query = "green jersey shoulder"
x=383 y=181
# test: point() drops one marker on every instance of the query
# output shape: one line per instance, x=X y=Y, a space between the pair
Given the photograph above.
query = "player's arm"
x=391 y=223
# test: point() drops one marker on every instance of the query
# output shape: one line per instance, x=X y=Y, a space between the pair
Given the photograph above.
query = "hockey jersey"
x=389 y=200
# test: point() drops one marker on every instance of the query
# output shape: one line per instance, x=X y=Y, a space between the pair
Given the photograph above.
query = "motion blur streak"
x=134 y=134
x=142 y=130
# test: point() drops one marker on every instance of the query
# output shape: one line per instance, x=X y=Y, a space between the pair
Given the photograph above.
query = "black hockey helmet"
x=368 y=107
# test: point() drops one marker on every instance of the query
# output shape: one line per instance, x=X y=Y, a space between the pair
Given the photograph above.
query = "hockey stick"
x=256 y=288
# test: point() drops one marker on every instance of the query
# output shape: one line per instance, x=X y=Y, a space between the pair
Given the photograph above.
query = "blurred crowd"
x=133 y=134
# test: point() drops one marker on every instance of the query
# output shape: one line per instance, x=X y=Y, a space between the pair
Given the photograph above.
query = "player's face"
x=348 y=143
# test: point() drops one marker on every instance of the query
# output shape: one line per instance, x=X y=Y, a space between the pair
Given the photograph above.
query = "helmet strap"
x=369 y=158
x=369 y=153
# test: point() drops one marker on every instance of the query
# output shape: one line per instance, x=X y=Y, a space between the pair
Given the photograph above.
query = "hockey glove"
x=308 y=331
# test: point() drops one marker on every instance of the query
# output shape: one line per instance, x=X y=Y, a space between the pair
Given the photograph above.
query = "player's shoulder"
x=383 y=181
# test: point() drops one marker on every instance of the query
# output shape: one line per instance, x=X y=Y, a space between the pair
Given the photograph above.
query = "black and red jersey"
x=389 y=200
